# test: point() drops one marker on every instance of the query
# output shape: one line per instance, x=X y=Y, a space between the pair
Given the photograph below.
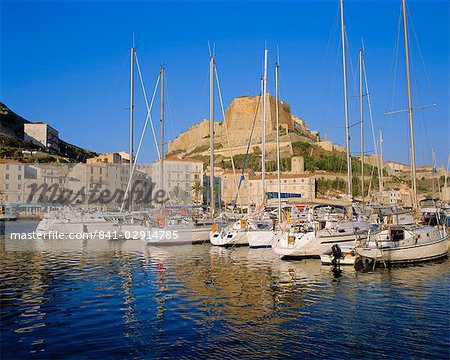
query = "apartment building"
x=42 y=134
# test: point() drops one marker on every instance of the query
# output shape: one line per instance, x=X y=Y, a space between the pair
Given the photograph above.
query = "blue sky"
x=67 y=63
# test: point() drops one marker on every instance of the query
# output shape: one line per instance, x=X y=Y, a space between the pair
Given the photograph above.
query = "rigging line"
x=205 y=85
x=354 y=69
x=219 y=91
x=326 y=108
x=422 y=58
x=169 y=107
x=248 y=145
x=120 y=73
x=331 y=39
x=209 y=49
x=394 y=63
x=372 y=125
x=370 y=181
x=418 y=91
x=421 y=118
x=140 y=142
x=149 y=117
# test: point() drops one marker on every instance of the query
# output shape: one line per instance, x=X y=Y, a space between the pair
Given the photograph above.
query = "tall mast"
x=132 y=52
x=410 y=107
x=361 y=112
x=277 y=96
x=347 y=132
x=211 y=133
x=381 y=179
x=162 y=129
x=433 y=163
x=263 y=132
x=446 y=176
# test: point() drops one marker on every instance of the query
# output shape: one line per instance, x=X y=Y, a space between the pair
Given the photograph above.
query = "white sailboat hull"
x=407 y=254
x=178 y=236
x=262 y=238
x=229 y=238
x=309 y=245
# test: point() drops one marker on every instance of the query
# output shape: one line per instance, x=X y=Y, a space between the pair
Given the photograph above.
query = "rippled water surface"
x=124 y=299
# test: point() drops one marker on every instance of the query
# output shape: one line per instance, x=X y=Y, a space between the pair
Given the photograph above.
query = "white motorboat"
x=304 y=241
x=402 y=245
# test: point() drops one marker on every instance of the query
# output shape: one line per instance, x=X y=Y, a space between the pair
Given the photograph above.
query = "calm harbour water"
x=123 y=299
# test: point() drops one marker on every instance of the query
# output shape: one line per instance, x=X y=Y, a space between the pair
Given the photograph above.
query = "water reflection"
x=123 y=298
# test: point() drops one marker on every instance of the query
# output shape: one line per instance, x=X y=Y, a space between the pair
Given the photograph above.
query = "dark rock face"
x=10 y=123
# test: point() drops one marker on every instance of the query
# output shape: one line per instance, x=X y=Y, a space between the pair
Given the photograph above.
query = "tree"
x=197 y=188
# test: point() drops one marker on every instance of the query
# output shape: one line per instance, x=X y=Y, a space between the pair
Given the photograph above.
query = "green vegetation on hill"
x=317 y=158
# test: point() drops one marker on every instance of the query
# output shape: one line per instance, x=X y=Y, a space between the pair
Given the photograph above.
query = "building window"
x=19 y=186
x=19 y=177
x=6 y=176
x=6 y=197
x=20 y=168
x=6 y=186
x=7 y=167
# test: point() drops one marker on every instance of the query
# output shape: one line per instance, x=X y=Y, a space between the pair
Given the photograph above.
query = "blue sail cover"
x=274 y=195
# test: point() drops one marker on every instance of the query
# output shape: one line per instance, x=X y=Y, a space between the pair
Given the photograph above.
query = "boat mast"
x=132 y=54
x=347 y=129
x=263 y=132
x=211 y=133
x=445 y=177
x=381 y=179
x=410 y=108
x=361 y=111
x=433 y=162
x=162 y=130
x=277 y=96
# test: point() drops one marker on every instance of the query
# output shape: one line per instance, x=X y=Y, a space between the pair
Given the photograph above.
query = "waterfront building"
x=295 y=187
x=180 y=175
x=299 y=187
x=11 y=177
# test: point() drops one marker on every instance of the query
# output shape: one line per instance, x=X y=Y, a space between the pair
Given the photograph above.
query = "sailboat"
x=263 y=232
x=400 y=244
x=177 y=230
x=323 y=229
x=237 y=233
x=94 y=224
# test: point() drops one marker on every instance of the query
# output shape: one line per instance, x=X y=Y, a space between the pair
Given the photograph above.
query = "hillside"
x=13 y=146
